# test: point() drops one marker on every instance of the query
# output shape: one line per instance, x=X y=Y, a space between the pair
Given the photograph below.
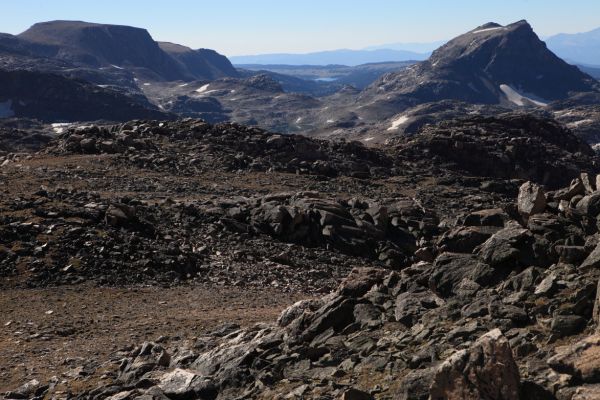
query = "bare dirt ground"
x=74 y=330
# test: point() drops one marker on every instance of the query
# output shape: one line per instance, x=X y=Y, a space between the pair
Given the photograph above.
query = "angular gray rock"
x=589 y=205
x=588 y=183
x=451 y=268
x=531 y=199
x=592 y=261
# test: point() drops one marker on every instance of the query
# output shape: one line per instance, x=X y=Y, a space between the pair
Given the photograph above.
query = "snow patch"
x=397 y=122
x=183 y=84
x=563 y=113
x=207 y=92
x=203 y=88
x=147 y=84
x=489 y=29
x=368 y=139
x=330 y=121
x=6 y=110
x=298 y=120
x=520 y=99
x=116 y=66
x=59 y=127
x=579 y=123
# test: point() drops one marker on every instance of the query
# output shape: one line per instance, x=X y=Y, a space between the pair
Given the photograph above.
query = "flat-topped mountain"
x=116 y=47
x=103 y=45
x=75 y=71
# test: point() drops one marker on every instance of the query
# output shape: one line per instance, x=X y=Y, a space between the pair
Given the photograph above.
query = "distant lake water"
x=326 y=79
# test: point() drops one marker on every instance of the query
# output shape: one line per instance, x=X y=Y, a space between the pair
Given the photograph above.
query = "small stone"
x=355 y=394
x=567 y=325
x=547 y=286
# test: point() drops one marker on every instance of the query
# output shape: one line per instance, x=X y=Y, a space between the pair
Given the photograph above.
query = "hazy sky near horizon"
x=241 y=27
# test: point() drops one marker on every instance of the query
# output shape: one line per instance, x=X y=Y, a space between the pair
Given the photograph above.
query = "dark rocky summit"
x=491 y=64
x=487 y=70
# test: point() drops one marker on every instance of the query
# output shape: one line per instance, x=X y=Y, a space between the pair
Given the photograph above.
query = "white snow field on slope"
x=59 y=127
x=488 y=29
x=203 y=88
x=519 y=99
x=397 y=122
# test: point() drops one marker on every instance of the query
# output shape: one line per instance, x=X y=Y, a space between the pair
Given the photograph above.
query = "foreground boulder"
x=486 y=370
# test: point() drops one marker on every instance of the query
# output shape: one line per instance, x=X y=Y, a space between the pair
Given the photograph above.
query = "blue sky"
x=236 y=27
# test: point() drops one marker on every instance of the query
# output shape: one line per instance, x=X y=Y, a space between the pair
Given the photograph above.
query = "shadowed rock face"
x=200 y=64
x=49 y=97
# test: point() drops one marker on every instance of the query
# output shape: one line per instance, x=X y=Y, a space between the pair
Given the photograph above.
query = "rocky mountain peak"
x=480 y=44
x=491 y=64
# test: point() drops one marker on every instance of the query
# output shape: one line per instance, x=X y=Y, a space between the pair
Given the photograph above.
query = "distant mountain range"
x=62 y=71
x=579 y=48
x=334 y=57
x=592 y=71
x=423 y=48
